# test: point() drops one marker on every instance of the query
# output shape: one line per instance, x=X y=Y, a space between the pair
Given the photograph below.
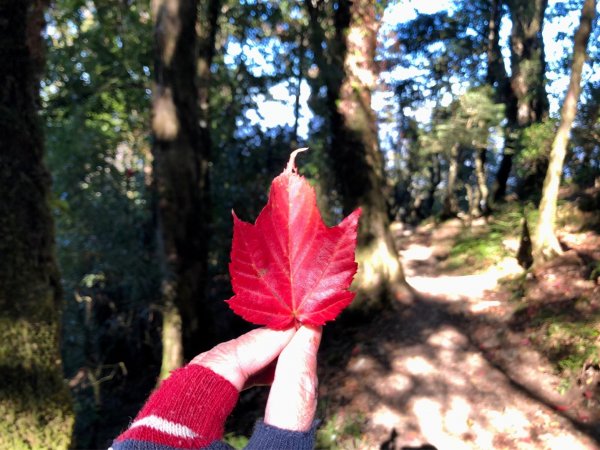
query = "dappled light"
x=446 y=374
x=164 y=120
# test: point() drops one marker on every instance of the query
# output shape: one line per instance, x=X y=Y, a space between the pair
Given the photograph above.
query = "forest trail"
x=446 y=372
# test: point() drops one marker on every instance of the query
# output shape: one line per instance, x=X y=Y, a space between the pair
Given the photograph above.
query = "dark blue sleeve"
x=268 y=437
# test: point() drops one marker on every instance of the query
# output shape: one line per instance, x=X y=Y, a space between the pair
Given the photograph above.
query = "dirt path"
x=444 y=372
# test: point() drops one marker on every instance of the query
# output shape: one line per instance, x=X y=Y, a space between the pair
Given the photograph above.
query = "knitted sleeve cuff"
x=268 y=437
x=188 y=410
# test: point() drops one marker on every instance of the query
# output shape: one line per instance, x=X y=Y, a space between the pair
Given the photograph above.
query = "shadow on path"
x=434 y=374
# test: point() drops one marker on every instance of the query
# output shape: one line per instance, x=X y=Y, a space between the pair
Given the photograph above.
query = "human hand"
x=293 y=398
x=292 y=402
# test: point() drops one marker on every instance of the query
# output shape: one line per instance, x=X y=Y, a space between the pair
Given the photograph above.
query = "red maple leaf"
x=289 y=267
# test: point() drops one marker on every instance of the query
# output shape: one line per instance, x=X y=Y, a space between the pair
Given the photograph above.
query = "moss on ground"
x=478 y=248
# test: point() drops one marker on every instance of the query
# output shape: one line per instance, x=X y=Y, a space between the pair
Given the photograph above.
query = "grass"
x=569 y=337
x=570 y=344
x=477 y=249
x=236 y=441
x=340 y=433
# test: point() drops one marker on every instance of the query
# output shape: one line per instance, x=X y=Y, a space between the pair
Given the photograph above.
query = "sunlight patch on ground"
x=455 y=288
x=458 y=415
x=416 y=252
x=469 y=288
x=448 y=338
x=432 y=423
x=552 y=441
x=418 y=365
x=484 y=305
x=484 y=438
x=395 y=384
x=442 y=391
x=511 y=421
x=386 y=417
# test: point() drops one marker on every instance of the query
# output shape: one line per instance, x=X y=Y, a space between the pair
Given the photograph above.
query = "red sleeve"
x=188 y=410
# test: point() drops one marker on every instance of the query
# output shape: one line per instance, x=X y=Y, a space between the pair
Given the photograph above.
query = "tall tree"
x=207 y=27
x=35 y=407
x=345 y=55
x=545 y=243
x=526 y=100
x=496 y=72
x=180 y=171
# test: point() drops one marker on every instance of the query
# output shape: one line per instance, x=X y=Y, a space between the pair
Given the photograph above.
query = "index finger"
x=292 y=400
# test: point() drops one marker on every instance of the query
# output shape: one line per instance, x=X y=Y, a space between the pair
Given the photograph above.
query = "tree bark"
x=180 y=179
x=435 y=178
x=207 y=28
x=496 y=75
x=349 y=72
x=526 y=100
x=299 y=78
x=482 y=189
x=545 y=244
x=450 y=205
x=35 y=406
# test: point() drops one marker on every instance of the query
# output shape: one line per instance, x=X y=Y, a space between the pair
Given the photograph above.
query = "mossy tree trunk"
x=545 y=243
x=525 y=95
x=181 y=156
x=35 y=405
x=349 y=71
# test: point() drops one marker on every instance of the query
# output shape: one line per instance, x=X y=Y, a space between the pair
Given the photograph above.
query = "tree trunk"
x=207 y=34
x=299 y=78
x=496 y=73
x=500 y=184
x=482 y=189
x=35 y=406
x=450 y=205
x=435 y=178
x=349 y=71
x=545 y=244
x=180 y=177
x=526 y=100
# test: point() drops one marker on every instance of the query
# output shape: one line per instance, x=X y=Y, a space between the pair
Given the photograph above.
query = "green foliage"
x=246 y=156
x=571 y=344
x=476 y=252
x=468 y=121
x=96 y=102
x=445 y=46
x=536 y=141
x=477 y=249
x=236 y=441
x=340 y=433
x=583 y=161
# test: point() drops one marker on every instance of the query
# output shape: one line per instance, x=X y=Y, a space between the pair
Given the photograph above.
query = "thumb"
x=292 y=400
